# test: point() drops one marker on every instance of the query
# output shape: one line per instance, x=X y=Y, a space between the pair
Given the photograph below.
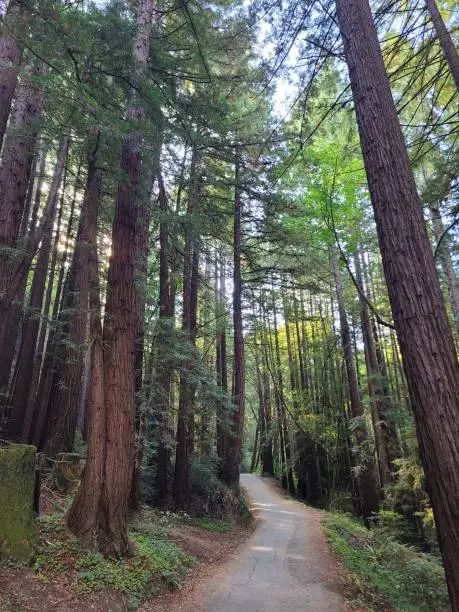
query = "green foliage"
x=211 y=524
x=209 y=495
x=409 y=580
x=156 y=562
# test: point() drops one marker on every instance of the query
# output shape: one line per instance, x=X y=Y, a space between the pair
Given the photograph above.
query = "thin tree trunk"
x=62 y=411
x=283 y=417
x=32 y=335
x=366 y=477
x=221 y=356
x=233 y=439
x=425 y=338
x=375 y=391
x=446 y=42
x=185 y=422
x=15 y=177
x=11 y=48
x=44 y=364
x=24 y=367
x=163 y=354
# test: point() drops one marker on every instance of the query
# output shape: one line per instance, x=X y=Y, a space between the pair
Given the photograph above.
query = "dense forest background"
x=221 y=252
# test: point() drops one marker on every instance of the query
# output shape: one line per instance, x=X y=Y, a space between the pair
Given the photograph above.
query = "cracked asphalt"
x=286 y=565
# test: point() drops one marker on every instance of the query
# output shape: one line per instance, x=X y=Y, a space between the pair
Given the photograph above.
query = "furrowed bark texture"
x=11 y=48
x=114 y=457
x=446 y=42
x=425 y=338
x=62 y=411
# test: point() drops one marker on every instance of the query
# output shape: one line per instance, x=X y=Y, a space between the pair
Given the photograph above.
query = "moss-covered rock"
x=17 y=523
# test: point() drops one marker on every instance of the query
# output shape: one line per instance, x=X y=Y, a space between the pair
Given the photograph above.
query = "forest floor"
x=185 y=564
x=171 y=550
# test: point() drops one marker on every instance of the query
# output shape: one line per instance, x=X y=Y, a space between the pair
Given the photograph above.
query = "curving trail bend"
x=285 y=566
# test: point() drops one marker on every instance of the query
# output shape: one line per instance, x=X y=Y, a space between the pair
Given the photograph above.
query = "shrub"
x=409 y=580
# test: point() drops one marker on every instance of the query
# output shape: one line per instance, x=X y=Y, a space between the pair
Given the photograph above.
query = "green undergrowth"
x=383 y=570
x=157 y=563
x=211 y=524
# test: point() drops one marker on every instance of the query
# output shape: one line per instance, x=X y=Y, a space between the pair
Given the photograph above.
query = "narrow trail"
x=285 y=566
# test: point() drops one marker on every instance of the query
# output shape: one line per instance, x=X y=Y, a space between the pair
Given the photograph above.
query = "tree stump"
x=67 y=472
x=17 y=480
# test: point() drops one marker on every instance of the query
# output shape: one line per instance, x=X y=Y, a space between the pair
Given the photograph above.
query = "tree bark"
x=163 y=354
x=366 y=474
x=375 y=391
x=425 y=338
x=283 y=424
x=221 y=356
x=446 y=42
x=110 y=459
x=11 y=48
x=62 y=411
x=24 y=374
x=232 y=446
x=185 y=423
x=15 y=174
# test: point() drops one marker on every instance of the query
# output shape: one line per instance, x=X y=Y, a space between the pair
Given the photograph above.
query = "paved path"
x=285 y=566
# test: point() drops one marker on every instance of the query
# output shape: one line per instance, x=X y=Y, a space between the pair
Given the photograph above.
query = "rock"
x=17 y=523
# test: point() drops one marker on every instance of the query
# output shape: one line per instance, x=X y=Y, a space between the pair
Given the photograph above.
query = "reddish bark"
x=62 y=411
x=423 y=330
x=102 y=521
x=446 y=42
x=232 y=447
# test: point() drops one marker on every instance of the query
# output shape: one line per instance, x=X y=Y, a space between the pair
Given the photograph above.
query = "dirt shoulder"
x=27 y=590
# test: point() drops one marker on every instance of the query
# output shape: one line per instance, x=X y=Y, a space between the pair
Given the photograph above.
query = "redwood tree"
x=423 y=330
x=102 y=520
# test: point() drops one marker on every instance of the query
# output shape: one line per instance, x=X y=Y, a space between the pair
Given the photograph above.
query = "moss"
x=17 y=524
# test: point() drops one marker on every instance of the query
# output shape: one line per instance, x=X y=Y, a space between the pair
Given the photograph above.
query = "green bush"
x=157 y=561
x=209 y=495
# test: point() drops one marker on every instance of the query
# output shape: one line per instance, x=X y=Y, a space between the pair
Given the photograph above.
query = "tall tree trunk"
x=281 y=399
x=46 y=357
x=150 y=168
x=15 y=174
x=220 y=344
x=446 y=42
x=185 y=422
x=366 y=474
x=266 y=449
x=375 y=392
x=163 y=354
x=233 y=439
x=425 y=338
x=102 y=521
x=62 y=411
x=35 y=320
x=88 y=503
x=11 y=48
